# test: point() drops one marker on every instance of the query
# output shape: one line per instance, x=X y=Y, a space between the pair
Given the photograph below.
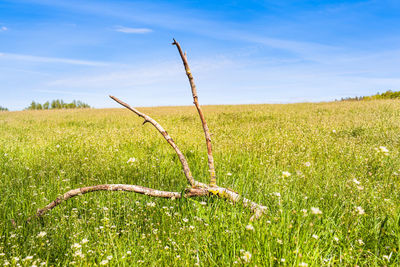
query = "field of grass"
x=331 y=188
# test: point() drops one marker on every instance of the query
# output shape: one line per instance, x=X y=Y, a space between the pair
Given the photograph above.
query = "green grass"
x=328 y=148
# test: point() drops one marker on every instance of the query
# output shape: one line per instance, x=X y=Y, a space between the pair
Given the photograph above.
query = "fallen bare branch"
x=191 y=192
x=197 y=189
x=164 y=133
x=213 y=179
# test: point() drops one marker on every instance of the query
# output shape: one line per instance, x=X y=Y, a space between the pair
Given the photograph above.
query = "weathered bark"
x=191 y=192
x=164 y=133
x=213 y=179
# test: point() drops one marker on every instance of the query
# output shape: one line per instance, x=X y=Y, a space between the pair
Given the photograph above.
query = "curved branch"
x=213 y=179
x=164 y=133
x=192 y=192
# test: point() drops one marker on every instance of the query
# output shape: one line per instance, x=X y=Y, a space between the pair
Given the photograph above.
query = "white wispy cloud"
x=39 y=59
x=3 y=29
x=132 y=30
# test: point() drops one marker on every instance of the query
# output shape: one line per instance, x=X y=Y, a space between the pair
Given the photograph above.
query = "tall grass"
x=329 y=173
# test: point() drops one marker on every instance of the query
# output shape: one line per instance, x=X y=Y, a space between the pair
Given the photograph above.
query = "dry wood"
x=197 y=188
x=213 y=179
x=190 y=192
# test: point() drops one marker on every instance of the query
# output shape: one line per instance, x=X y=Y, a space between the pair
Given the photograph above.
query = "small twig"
x=164 y=133
x=213 y=179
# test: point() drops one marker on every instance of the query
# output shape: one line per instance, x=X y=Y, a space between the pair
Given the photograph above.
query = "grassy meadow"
x=328 y=173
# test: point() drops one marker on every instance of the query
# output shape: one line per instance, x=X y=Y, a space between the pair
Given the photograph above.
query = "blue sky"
x=239 y=51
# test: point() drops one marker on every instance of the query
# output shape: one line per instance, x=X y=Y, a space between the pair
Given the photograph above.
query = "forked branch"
x=213 y=179
x=197 y=188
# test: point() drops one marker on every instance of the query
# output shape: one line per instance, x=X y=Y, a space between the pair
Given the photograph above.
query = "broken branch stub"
x=197 y=188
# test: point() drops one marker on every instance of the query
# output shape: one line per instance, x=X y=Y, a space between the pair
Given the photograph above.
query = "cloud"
x=3 y=29
x=132 y=30
x=51 y=60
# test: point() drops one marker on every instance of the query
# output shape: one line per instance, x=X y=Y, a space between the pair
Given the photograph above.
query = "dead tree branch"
x=213 y=179
x=197 y=188
x=191 y=192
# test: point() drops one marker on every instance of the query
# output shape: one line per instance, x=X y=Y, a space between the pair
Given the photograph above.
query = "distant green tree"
x=57 y=104
x=3 y=108
x=386 y=95
x=32 y=106
x=46 y=105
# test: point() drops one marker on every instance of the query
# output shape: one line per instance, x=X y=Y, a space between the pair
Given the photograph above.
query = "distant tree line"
x=57 y=104
x=386 y=95
x=3 y=108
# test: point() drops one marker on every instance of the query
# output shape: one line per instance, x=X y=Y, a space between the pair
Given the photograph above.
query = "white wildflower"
x=286 y=174
x=360 y=210
x=277 y=194
x=109 y=257
x=131 y=160
x=356 y=181
x=28 y=258
x=79 y=253
x=41 y=234
x=104 y=262
x=359 y=241
x=76 y=246
x=229 y=174
x=185 y=220
x=84 y=241
x=315 y=211
x=308 y=164
x=383 y=149
x=303 y=264
x=203 y=203
x=387 y=257
x=129 y=252
x=246 y=256
x=336 y=239
x=151 y=204
x=333 y=131
x=250 y=227
x=315 y=236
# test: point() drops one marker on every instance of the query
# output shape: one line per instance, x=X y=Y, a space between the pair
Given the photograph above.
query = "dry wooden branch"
x=190 y=192
x=213 y=179
x=164 y=133
x=197 y=188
